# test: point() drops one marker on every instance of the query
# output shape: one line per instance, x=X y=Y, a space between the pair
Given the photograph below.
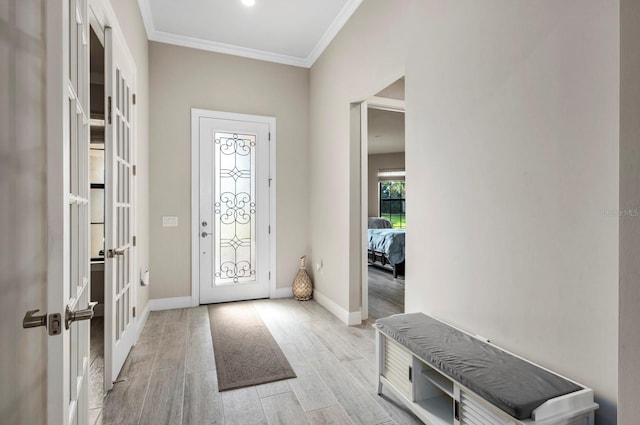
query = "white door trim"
x=384 y=104
x=196 y=114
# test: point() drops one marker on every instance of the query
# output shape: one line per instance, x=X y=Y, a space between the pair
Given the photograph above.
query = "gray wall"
x=365 y=57
x=629 y=366
x=182 y=79
x=385 y=161
x=518 y=166
x=23 y=258
x=512 y=154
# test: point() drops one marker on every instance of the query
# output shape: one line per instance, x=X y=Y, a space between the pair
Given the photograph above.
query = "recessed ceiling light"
x=249 y=3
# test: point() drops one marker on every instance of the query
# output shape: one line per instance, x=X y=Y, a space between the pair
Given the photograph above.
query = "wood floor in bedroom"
x=170 y=375
x=386 y=294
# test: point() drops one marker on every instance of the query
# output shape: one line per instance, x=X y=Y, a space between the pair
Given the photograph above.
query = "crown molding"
x=147 y=17
x=197 y=43
x=229 y=49
x=341 y=19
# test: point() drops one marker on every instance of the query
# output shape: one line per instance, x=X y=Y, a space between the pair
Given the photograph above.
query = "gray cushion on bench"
x=509 y=383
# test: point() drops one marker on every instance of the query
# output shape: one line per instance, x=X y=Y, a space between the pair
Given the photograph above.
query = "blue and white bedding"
x=388 y=241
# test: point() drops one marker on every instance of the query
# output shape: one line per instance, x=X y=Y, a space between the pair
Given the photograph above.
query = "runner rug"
x=246 y=354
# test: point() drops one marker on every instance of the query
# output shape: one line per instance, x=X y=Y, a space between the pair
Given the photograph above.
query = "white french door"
x=119 y=220
x=68 y=211
x=234 y=228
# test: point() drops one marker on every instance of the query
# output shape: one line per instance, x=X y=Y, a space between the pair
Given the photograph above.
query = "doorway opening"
x=97 y=218
x=384 y=202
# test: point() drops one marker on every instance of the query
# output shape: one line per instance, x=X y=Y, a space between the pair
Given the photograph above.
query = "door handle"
x=113 y=252
x=32 y=321
x=74 y=316
x=205 y=234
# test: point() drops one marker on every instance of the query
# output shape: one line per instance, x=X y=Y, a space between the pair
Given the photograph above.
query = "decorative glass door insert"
x=235 y=207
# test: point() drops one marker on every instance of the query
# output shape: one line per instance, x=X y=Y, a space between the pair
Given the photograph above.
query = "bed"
x=386 y=245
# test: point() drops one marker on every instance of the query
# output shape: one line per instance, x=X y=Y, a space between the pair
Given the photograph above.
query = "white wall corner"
x=141 y=321
x=345 y=316
x=341 y=19
x=147 y=17
x=170 y=303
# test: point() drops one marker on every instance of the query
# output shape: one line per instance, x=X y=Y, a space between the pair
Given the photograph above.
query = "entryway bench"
x=449 y=377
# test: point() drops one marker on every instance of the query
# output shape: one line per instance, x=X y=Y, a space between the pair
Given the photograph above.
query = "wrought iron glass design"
x=234 y=208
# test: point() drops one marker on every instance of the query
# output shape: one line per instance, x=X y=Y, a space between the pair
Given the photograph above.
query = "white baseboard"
x=283 y=293
x=170 y=303
x=350 y=318
x=141 y=321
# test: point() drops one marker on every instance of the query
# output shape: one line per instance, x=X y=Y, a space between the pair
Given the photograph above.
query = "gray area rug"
x=246 y=354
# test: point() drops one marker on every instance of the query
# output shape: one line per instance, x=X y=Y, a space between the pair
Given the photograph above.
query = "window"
x=392 y=197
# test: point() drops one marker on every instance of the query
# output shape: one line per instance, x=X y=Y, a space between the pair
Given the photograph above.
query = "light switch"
x=169 y=221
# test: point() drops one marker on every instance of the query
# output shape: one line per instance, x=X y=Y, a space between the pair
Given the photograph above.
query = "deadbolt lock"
x=55 y=324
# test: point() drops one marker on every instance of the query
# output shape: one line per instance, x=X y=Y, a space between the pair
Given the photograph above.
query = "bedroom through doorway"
x=385 y=203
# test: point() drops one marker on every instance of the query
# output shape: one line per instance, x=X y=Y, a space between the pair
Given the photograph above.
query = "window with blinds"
x=392 y=197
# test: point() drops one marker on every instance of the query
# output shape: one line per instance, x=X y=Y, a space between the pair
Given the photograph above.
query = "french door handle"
x=113 y=252
x=74 y=316
x=32 y=321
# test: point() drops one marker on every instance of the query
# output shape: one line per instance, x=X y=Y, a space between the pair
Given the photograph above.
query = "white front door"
x=68 y=211
x=234 y=208
x=119 y=221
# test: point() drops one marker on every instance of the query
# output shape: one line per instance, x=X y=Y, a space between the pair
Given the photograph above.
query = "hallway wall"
x=23 y=201
x=512 y=144
x=629 y=366
x=183 y=78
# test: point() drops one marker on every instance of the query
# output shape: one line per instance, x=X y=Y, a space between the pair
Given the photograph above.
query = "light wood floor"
x=386 y=294
x=170 y=377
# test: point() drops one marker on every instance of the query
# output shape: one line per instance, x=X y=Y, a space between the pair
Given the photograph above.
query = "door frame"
x=384 y=104
x=196 y=115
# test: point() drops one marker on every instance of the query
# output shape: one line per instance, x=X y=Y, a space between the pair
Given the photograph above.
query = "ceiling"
x=386 y=128
x=292 y=32
x=386 y=132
